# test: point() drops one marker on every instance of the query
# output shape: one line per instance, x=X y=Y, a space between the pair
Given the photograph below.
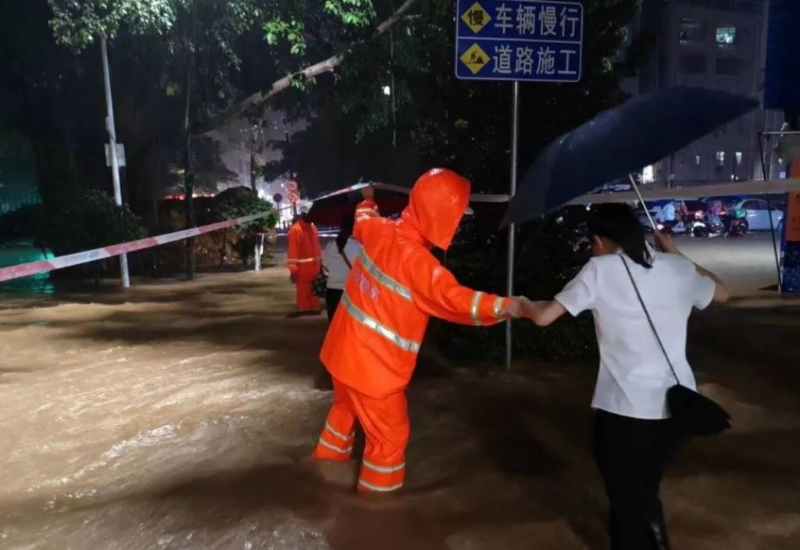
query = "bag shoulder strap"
x=649 y=319
x=344 y=257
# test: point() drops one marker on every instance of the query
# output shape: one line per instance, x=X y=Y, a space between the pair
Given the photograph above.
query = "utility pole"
x=112 y=146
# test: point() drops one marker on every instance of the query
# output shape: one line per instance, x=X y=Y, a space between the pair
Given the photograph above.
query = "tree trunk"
x=253 y=167
x=187 y=172
x=189 y=203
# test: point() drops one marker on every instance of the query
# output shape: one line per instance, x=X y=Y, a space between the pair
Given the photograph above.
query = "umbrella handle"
x=641 y=200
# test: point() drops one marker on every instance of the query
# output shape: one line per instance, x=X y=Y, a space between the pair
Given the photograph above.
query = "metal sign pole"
x=761 y=138
x=512 y=228
x=112 y=146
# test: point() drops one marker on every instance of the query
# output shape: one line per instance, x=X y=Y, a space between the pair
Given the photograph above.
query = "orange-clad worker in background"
x=304 y=259
x=371 y=347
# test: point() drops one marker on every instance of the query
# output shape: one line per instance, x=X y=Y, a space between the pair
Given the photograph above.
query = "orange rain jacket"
x=396 y=284
x=304 y=255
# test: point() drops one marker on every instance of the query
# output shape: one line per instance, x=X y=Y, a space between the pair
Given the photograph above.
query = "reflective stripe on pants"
x=381 y=478
x=386 y=429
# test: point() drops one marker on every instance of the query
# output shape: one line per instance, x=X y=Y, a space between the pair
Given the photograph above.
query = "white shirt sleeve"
x=580 y=293
x=702 y=289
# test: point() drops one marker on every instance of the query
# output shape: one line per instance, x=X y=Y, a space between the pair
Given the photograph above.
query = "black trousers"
x=323 y=380
x=632 y=455
x=332 y=299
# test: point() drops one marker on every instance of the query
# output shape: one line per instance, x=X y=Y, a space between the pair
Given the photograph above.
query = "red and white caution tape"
x=475 y=197
x=32 y=268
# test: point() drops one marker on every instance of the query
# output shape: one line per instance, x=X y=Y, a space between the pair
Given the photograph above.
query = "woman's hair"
x=345 y=230
x=619 y=224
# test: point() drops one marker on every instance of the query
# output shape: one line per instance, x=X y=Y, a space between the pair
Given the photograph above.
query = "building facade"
x=719 y=44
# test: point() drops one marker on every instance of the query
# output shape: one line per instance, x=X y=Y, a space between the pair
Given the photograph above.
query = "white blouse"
x=337 y=269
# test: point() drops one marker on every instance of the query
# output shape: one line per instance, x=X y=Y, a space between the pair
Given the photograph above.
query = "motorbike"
x=698 y=228
x=697 y=225
x=736 y=227
x=735 y=223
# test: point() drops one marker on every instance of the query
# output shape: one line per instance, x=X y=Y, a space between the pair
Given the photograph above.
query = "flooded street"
x=179 y=416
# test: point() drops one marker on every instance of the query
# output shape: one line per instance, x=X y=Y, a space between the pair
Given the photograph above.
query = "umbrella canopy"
x=617 y=142
x=392 y=199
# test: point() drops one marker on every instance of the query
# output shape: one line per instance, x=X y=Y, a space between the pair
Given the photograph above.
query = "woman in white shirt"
x=338 y=258
x=633 y=437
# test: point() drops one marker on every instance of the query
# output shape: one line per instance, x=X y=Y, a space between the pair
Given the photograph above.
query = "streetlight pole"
x=112 y=146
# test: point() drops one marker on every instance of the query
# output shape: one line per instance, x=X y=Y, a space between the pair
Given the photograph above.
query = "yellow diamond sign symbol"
x=476 y=17
x=474 y=58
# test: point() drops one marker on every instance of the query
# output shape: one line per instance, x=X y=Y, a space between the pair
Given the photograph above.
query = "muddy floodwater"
x=179 y=416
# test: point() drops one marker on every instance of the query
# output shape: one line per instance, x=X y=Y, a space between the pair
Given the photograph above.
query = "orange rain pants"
x=304 y=297
x=387 y=429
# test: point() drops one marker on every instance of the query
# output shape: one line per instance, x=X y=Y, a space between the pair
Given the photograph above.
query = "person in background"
x=371 y=347
x=634 y=441
x=715 y=212
x=669 y=215
x=337 y=259
x=304 y=260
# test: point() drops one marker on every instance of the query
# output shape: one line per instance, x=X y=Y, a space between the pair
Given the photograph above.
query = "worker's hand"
x=665 y=243
x=515 y=308
x=368 y=192
x=293 y=278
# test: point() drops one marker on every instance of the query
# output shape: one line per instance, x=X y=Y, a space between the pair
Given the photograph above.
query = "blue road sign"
x=525 y=40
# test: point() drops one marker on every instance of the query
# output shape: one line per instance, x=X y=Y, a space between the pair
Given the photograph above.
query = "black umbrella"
x=640 y=132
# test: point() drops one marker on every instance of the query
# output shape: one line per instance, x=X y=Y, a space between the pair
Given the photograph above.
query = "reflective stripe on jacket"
x=395 y=285
x=303 y=254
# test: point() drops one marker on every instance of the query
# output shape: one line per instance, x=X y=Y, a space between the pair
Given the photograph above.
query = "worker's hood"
x=436 y=205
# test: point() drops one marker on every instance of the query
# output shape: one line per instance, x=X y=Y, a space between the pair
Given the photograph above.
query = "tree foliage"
x=78 y=23
x=441 y=121
x=238 y=202
x=90 y=220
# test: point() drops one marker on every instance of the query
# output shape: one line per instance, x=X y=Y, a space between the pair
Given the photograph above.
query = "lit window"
x=726 y=37
x=720 y=159
x=738 y=158
x=697 y=160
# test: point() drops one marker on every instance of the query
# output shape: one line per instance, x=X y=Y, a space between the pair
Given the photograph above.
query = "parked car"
x=758 y=215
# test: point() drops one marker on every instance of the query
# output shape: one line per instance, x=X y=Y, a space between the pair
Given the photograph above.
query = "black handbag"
x=319 y=286
x=691 y=412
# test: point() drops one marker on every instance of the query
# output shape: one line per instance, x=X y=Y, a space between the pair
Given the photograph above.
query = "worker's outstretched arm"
x=436 y=292
x=365 y=210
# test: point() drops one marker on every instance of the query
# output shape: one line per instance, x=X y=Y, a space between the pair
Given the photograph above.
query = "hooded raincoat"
x=304 y=260
x=371 y=347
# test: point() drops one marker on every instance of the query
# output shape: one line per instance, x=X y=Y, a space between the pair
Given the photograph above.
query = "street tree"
x=202 y=49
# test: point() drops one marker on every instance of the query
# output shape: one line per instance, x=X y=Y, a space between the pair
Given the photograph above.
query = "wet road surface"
x=178 y=416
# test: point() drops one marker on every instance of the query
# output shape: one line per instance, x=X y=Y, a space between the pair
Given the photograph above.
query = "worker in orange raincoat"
x=371 y=347
x=304 y=259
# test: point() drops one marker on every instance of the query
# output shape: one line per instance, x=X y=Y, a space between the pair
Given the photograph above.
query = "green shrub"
x=238 y=202
x=91 y=219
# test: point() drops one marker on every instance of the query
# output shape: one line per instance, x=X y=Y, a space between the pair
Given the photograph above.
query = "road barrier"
x=32 y=268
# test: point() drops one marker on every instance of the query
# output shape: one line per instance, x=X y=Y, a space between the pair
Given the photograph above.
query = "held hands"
x=518 y=307
x=293 y=278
